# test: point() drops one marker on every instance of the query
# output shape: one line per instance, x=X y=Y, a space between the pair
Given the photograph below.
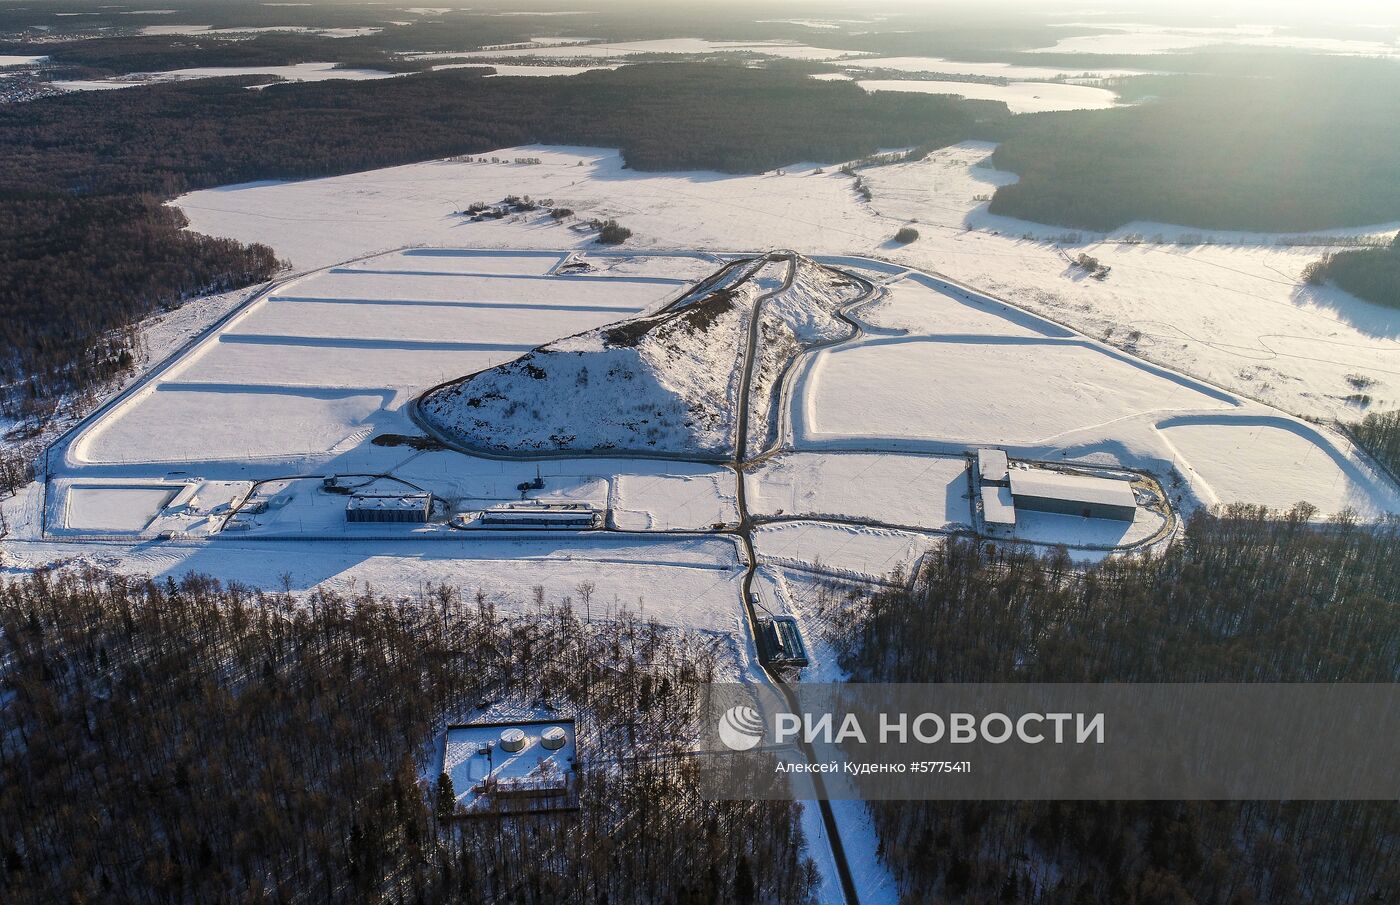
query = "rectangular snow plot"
x=444 y=286
x=511 y=325
x=465 y=260
x=115 y=508
x=1016 y=391
x=296 y=365
x=1276 y=464
x=654 y=502
x=913 y=306
x=841 y=549
x=904 y=490
x=199 y=422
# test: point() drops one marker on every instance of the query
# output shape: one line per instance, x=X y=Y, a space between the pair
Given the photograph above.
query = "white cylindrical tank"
x=554 y=738
x=513 y=740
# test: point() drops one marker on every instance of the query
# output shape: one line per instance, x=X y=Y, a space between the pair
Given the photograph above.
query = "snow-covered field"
x=1013 y=71
x=1271 y=462
x=302 y=381
x=263 y=29
x=1133 y=38
x=309 y=371
x=979 y=390
x=922 y=491
x=505 y=69
x=850 y=550
x=116 y=508
x=296 y=72
x=1019 y=97
x=1237 y=315
x=874 y=429
x=782 y=49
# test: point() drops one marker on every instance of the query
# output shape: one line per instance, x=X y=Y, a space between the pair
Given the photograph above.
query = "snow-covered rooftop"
x=1057 y=485
x=992 y=466
x=998 y=508
x=383 y=502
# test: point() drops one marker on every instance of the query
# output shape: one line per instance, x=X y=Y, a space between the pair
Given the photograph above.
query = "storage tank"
x=554 y=738
x=513 y=740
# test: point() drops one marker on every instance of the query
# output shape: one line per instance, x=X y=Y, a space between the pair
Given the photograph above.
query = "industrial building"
x=537 y=514
x=400 y=507
x=1042 y=490
x=1003 y=490
x=514 y=767
x=782 y=642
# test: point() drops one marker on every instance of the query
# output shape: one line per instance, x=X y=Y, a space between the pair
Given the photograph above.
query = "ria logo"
x=740 y=728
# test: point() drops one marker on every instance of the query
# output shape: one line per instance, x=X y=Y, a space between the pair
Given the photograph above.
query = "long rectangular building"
x=1042 y=490
x=378 y=507
x=533 y=514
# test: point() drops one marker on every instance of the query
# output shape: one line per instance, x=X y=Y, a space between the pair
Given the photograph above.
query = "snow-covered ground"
x=296 y=72
x=301 y=382
x=980 y=390
x=1270 y=462
x=116 y=508
x=307 y=372
x=314 y=377
x=849 y=550
x=912 y=491
x=1235 y=314
x=941 y=66
x=508 y=69
x=1136 y=38
x=1019 y=97
x=781 y=49
x=261 y=29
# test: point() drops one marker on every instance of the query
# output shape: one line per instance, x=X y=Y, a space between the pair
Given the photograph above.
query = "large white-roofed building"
x=1042 y=490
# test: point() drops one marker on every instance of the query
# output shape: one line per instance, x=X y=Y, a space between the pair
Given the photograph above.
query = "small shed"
x=1043 y=490
x=375 y=507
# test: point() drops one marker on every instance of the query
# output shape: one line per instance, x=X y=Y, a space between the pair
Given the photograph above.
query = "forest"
x=1379 y=434
x=190 y=743
x=81 y=175
x=76 y=270
x=1291 y=143
x=960 y=31
x=1243 y=596
x=1372 y=274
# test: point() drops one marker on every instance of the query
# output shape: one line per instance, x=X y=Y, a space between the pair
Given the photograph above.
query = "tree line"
x=166 y=742
x=1372 y=274
x=86 y=247
x=77 y=271
x=1243 y=596
x=1379 y=434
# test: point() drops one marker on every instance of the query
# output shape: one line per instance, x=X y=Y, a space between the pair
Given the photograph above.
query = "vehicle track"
x=745 y=533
